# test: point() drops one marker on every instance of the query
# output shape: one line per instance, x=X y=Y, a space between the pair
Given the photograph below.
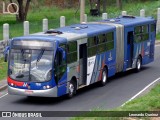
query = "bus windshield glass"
x=30 y=65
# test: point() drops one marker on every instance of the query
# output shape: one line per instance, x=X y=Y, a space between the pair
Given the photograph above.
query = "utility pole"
x=82 y=10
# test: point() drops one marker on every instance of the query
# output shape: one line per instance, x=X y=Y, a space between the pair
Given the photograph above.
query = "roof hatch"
x=79 y=27
x=53 y=32
x=128 y=16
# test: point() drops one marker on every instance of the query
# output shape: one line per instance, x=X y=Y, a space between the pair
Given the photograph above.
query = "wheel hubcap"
x=104 y=77
x=71 y=88
x=138 y=64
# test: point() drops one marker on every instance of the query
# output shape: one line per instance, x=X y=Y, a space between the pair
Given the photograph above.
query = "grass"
x=147 y=102
x=158 y=36
x=3 y=69
x=37 y=13
x=35 y=18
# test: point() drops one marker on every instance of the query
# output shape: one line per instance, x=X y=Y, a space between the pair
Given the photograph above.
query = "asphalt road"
x=120 y=89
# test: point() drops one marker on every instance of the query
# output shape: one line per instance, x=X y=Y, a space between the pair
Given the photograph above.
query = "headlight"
x=46 y=87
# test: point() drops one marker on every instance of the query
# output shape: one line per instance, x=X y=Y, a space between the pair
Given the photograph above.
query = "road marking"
x=3 y=95
x=141 y=91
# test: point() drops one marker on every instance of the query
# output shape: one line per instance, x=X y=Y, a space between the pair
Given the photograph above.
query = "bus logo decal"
x=110 y=57
x=67 y=69
x=25 y=85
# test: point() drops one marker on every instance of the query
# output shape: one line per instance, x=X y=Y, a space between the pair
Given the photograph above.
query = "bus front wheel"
x=138 y=64
x=104 y=77
x=72 y=89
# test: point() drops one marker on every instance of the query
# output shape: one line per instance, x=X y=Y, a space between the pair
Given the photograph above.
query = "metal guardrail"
x=3 y=44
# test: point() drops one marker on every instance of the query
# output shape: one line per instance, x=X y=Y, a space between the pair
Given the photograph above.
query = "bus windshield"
x=30 y=65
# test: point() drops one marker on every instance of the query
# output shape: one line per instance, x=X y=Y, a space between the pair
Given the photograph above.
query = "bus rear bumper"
x=39 y=93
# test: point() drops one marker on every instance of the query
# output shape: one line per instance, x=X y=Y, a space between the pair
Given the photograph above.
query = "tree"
x=99 y=6
x=119 y=4
x=104 y=5
x=95 y=7
x=23 y=9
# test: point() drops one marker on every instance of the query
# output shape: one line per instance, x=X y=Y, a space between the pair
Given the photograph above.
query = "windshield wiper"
x=20 y=76
x=40 y=56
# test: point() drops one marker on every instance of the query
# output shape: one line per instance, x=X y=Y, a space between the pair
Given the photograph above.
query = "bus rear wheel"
x=72 y=89
x=104 y=77
x=138 y=64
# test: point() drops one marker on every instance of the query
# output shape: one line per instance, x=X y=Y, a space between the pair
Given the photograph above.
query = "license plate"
x=29 y=91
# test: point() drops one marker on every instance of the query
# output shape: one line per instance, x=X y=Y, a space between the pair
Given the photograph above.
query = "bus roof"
x=87 y=28
x=129 y=20
x=79 y=31
x=69 y=33
x=41 y=37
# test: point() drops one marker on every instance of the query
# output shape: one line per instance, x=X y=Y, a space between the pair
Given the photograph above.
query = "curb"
x=3 y=87
x=157 y=42
x=150 y=88
x=144 y=91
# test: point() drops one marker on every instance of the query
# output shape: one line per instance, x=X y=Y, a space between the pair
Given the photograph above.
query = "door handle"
x=88 y=74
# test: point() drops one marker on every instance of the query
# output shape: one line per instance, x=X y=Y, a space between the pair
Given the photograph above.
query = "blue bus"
x=61 y=61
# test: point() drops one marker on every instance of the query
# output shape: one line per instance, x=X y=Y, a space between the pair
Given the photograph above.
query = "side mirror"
x=63 y=52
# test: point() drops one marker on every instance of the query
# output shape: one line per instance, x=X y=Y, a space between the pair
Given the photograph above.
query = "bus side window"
x=153 y=27
x=110 y=41
x=72 y=52
x=92 y=41
x=141 y=33
x=102 y=43
x=92 y=46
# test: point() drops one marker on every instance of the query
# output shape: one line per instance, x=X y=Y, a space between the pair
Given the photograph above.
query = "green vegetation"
x=38 y=12
x=35 y=18
x=148 y=102
x=158 y=36
x=3 y=69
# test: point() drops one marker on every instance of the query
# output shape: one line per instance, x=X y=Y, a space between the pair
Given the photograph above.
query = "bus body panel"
x=32 y=89
x=39 y=93
x=62 y=85
x=82 y=68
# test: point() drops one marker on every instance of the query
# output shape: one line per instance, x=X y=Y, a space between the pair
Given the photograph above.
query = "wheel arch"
x=74 y=79
x=140 y=56
x=106 y=69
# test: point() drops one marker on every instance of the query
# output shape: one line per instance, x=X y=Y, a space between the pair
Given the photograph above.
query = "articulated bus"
x=61 y=61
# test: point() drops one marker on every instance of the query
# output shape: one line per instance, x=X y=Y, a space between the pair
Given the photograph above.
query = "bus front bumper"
x=39 y=93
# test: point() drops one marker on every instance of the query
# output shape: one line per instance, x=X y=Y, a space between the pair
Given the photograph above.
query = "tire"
x=104 y=77
x=31 y=97
x=72 y=89
x=138 y=64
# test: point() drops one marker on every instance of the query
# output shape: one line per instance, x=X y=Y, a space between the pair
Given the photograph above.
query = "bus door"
x=152 y=40
x=130 y=44
x=83 y=63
